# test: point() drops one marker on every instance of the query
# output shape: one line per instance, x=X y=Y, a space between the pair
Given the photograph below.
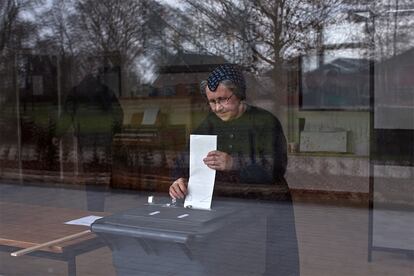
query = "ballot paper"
x=201 y=181
x=86 y=221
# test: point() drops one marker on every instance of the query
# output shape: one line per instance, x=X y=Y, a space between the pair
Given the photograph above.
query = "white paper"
x=150 y=116
x=201 y=181
x=86 y=221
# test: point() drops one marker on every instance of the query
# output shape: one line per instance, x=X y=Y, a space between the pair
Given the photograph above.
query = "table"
x=23 y=226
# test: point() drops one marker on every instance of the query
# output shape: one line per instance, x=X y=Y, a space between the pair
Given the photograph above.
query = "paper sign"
x=86 y=221
x=201 y=181
x=150 y=116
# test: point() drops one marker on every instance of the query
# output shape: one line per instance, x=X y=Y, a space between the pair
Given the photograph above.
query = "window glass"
x=216 y=137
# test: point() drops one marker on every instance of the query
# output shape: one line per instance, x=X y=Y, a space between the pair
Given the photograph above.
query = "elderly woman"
x=250 y=140
x=251 y=154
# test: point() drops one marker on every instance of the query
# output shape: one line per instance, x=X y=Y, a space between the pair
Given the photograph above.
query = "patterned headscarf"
x=227 y=72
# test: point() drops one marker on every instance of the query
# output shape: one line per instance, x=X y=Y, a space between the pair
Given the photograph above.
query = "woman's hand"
x=179 y=188
x=219 y=160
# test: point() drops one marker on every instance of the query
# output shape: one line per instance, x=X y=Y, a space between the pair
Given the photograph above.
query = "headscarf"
x=227 y=72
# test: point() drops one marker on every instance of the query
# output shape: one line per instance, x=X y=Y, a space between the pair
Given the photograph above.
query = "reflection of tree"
x=14 y=30
x=387 y=25
x=114 y=26
x=60 y=20
x=117 y=33
x=127 y=28
x=266 y=32
x=8 y=16
x=392 y=22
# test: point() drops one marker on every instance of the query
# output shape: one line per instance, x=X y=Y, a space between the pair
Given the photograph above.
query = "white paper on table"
x=201 y=181
x=86 y=221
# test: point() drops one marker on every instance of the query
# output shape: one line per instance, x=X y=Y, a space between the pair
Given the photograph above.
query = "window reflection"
x=98 y=100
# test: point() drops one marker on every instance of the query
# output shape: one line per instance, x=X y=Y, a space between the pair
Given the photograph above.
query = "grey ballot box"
x=230 y=239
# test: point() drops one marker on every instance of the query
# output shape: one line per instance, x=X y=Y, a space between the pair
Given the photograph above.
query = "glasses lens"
x=220 y=101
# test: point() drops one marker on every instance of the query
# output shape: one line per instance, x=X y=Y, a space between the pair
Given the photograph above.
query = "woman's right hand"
x=179 y=188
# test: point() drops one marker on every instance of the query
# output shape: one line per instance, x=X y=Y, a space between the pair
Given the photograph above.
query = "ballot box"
x=229 y=239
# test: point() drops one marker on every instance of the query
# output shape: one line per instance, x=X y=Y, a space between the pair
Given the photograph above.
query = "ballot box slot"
x=160 y=221
x=172 y=214
x=163 y=227
x=156 y=226
x=181 y=218
x=141 y=232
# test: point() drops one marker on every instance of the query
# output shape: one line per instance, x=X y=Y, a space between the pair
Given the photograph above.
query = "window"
x=311 y=135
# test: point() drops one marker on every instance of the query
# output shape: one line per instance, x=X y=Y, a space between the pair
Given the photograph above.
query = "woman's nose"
x=217 y=107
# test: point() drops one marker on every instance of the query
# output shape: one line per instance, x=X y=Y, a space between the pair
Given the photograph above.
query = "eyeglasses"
x=220 y=101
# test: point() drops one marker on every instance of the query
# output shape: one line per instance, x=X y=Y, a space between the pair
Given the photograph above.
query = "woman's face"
x=224 y=103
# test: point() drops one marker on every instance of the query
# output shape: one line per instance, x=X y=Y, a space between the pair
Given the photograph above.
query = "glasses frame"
x=219 y=101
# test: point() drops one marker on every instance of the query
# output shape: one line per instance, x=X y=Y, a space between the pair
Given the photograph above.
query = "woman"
x=251 y=152
x=250 y=140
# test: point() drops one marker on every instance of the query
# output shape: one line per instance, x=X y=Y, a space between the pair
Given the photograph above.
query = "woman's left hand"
x=219 y=160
